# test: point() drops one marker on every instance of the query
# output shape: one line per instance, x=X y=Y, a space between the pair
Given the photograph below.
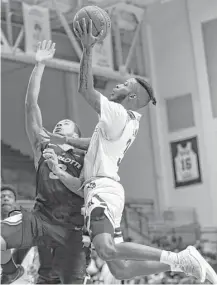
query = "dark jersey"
x=53 y=198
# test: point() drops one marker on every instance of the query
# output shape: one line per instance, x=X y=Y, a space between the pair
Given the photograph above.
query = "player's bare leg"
x=128 y=269
x=189 y=261
x=10 y=271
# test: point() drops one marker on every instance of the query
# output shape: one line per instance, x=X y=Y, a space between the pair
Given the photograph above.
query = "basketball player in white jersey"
x=104 y=195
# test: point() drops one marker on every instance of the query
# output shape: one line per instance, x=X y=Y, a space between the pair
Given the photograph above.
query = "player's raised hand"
x=84 y=32
x=45 y=51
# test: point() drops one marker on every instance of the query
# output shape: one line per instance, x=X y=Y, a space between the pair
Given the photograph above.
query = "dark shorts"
x=32 y=229
x=99 y=224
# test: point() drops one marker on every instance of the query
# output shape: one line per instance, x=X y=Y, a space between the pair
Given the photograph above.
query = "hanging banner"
x=103 y=53
x=128 y=16
x=186 y=163
x=36 y=25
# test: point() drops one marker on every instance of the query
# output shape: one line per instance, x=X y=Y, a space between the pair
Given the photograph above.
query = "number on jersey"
x=186 y=163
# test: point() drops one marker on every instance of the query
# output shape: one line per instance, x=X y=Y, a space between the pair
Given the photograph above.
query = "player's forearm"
x=72 y=183
x=81 y=143
x=33 y=117
x=86 y=88
x=86 y=74
x=34 y=85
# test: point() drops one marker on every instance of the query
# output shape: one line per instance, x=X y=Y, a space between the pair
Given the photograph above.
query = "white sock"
x=170 y=258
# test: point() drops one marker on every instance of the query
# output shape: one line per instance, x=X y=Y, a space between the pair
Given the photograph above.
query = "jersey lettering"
x=70 y=161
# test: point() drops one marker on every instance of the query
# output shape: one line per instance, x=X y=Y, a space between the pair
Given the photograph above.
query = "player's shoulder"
x=111 y=104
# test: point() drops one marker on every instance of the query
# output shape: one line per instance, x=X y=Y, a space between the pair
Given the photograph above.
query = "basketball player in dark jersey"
x=56 y=220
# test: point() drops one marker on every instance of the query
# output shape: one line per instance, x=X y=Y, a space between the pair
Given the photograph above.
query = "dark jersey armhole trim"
x=131 y=115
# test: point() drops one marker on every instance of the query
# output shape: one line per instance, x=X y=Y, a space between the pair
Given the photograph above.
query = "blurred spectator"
x=8 y=200
x=9 y=207
x=45 y=274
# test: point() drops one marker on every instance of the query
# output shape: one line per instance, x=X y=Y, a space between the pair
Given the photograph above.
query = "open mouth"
x=6 y=205
x=58 y=130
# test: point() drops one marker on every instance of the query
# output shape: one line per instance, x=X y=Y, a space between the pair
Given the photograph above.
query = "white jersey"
x=115 y=132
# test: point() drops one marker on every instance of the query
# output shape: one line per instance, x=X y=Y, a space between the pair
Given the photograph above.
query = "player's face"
x=121 y=91
x=64 y=128
x=7 y=200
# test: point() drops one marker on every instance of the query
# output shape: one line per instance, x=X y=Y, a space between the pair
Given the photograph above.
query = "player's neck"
x=124 y=104
x=127 y=106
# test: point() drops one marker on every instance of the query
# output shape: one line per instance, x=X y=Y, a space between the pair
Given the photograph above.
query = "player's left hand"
x=45 y=51
x=51 y=159
x=84 y=32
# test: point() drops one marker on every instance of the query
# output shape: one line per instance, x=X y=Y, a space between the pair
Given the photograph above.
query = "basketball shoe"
x=191 y=262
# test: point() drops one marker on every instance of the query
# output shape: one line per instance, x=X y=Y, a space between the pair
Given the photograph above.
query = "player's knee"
x=5 y=256
x=120 y=272
x=3 y=244
x=106 y=250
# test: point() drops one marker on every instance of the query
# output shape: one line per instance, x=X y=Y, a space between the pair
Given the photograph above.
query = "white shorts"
x=107 y=194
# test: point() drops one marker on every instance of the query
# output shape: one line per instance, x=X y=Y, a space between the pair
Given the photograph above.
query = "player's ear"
x=132 y=96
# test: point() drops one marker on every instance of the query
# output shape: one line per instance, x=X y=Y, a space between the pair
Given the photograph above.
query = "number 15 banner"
x=186 y=163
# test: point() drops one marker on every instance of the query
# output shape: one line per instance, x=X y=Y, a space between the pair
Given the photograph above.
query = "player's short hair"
x=148 y=89
x=9 y=187
x=77 y=130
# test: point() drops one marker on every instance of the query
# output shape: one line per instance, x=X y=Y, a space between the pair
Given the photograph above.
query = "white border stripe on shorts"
x=13 y=220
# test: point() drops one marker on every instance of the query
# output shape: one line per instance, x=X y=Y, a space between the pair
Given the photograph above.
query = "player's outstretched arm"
x=33 y=117
x=71 y=182
x=85 y=85
x=81 y=143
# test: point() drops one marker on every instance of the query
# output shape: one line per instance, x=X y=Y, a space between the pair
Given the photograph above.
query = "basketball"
x=100 y=20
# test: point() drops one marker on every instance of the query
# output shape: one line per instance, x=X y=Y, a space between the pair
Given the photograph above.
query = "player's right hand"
x=45 y=51
x=85 y=34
